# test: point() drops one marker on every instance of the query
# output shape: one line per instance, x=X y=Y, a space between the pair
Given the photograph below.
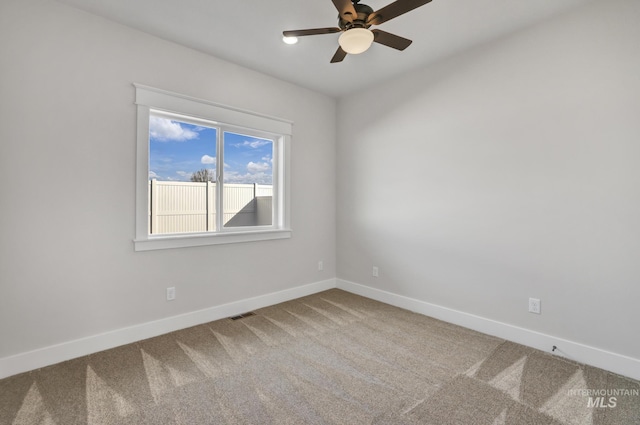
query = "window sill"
x=200 y=239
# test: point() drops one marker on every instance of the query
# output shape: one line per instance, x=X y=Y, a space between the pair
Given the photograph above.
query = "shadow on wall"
x=256 y=212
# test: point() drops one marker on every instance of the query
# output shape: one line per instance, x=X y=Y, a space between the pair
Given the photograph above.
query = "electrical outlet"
x=534 y=305
x=320 y=265
x=374 y=272
x=171 y=293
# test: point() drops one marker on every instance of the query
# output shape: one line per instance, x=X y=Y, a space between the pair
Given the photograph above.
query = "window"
x=208 y=174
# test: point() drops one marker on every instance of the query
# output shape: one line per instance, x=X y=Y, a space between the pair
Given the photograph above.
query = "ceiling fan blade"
x=346 y=9
x=390 y=40
x=339 y=56
x=313 y=31
x=394 y=10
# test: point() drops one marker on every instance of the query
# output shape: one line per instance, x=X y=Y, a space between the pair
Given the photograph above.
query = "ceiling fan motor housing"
x=360 y=21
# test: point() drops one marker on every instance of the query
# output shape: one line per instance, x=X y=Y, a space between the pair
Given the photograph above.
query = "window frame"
x=224 y=118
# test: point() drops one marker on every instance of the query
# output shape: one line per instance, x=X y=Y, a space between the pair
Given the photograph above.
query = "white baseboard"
x=602 y=359
x=47 y=356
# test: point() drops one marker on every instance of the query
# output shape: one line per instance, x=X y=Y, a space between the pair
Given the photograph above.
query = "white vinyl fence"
x=185 y=207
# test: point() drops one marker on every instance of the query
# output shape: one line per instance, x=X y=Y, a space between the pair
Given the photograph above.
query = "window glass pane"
x=248 y=180
x=182 y=170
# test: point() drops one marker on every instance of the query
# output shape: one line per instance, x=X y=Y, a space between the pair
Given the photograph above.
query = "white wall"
x=67 y=134
x=507 y=172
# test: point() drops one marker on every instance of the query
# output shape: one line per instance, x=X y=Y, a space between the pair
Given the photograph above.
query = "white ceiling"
x=249 y=33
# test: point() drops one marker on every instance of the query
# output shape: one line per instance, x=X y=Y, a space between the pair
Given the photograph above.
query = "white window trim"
x=148 y=98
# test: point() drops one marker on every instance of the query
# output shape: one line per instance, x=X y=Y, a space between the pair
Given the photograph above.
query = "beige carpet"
x=330 y=358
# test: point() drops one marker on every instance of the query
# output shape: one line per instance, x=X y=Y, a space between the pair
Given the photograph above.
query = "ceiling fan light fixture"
x=356 y=40
x=290 y=40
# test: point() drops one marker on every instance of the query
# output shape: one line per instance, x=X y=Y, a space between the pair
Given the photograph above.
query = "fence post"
x=154 y=206
x=211 y=222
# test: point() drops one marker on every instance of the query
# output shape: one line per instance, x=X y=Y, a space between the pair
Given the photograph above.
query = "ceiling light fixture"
x=356 y=40
x=290 y=40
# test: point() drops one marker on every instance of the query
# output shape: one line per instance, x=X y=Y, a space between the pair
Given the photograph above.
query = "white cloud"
x=260 y=178
x=152 y=175
x=165 y=130
x=206 y=159
x=267 y=158
x=257 y=167
x=184 y=174
x=254 y=143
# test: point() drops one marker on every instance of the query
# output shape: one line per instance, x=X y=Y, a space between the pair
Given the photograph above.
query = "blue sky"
x=178 y=149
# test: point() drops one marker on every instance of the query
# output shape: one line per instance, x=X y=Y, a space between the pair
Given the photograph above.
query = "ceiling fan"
x=354 y=21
